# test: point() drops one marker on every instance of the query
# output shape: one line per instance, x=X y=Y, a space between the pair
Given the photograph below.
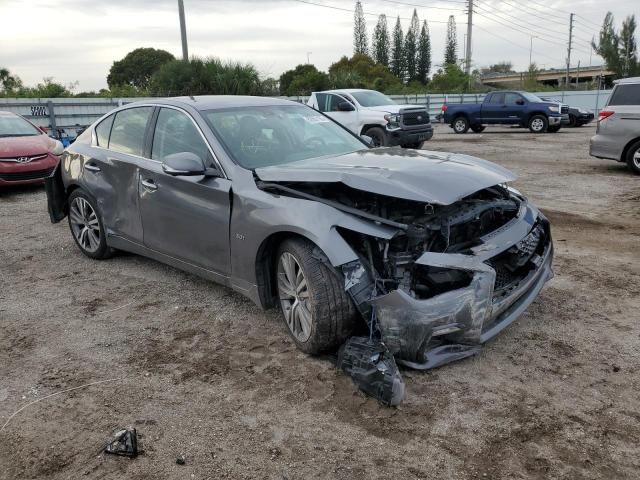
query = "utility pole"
x=469 y=31
x=531 y=50
x=183 y=31
x=309 y=58
x=566 y=82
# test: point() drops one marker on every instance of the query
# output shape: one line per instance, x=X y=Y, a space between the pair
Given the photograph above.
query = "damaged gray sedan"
x=430 y=253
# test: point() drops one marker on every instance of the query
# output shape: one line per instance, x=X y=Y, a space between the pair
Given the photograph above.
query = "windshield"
x=531 y=97
x=263 y=136
x=371 y=98
x=14 y=126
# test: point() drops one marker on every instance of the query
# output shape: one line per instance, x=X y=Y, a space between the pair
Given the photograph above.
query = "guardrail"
x=70 y=115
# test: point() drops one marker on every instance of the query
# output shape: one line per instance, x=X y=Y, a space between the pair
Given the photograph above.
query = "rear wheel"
x=378 y=136
x=633 y=158
x=317 y=310
x=87 y=227
x=478 y=128
x=538 y=124
x=460 y=125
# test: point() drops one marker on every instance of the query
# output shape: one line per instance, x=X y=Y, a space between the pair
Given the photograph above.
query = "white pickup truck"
x=370 y=113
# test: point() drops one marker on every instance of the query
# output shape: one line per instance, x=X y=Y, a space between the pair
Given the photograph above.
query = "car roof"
x=214 y=102
x=347 y=90
x=623 y=81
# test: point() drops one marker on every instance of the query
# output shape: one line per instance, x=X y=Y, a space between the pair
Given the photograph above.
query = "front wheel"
x=538 y=124
x=633 y=158
x=378 y=136
x=573 y=121
x=87 y=227
x=460 y=125
x=317 y=310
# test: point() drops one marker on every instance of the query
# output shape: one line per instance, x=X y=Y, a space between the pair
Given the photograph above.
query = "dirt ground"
x=202 y=372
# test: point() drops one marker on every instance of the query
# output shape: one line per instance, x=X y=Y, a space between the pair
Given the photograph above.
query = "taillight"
x=605 y=114
x=444 y=108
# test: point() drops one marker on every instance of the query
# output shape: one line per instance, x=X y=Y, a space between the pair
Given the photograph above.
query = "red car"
x=27 y=154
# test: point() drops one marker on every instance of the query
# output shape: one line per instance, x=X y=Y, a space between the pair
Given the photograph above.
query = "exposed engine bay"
x=450 y=278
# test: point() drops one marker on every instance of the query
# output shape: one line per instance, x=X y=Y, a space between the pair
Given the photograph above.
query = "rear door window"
x=496 y=99
x=511 y=98
x=103 y=130
x=127 y=133
x=625 y=95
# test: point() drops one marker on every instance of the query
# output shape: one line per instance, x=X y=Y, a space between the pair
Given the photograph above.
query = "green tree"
x=628 y=48
x=48 y=89
x=451 y=46
x=531 y=78
x=137 y=67
x=381 y=44
x=411 y=47
x=360 y=42
x=607 y=46
x=302 y=80
x=450 y=78
x=9 y=83
x=210 y=76
x=424 y=54
x=397 y=51
x=500 y=67
x=361 y=71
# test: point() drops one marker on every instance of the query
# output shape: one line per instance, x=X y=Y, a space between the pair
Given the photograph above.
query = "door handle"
x=149 y=184
x=92 y=167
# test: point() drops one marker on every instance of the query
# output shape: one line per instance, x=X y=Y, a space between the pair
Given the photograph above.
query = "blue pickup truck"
x=507 y=108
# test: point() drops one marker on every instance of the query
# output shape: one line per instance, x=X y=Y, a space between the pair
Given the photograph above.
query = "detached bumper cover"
x=427 y=333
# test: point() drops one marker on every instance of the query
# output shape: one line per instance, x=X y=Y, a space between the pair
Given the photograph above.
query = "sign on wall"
x=39 y=111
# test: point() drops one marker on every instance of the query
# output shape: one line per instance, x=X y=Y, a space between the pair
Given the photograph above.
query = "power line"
x=511 y=42
x=422 y=6
x=333 y=7
x=545 y=18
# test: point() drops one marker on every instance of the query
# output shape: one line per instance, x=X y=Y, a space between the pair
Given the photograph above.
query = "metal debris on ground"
x=373 y=369
x=125 y=443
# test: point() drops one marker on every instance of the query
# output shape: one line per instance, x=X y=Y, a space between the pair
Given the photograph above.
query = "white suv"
x=618 y=133
x=370 y=113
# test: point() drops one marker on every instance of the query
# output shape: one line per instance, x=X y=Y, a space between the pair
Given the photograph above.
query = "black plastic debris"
x=181 y=460
x=125 y=443
x=373 y=369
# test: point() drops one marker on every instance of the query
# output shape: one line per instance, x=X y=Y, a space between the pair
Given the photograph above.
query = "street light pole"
x=183 y=31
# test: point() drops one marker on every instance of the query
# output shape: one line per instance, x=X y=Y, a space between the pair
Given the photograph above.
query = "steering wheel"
x=313 y=142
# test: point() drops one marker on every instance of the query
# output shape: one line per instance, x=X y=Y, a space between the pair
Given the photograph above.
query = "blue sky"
x=77 y=40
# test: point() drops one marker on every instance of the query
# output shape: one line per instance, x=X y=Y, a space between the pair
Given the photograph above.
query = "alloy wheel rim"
x=294 y=297
x=460 y=125
x=84 y=224
x=537 y=124
x=636 y=158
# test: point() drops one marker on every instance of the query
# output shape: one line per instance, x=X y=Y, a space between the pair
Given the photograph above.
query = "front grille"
x=564 y=109
x=515 y=264
x=22 y=176
x=415 y=118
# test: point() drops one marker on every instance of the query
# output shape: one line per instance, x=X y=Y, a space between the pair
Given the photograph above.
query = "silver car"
x=430 y=252
x=618 y=132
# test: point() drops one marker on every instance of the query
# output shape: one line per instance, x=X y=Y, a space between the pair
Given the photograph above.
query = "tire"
x=415 y=146
x=538 y=124
x=633 y=158
x=460 y=124
x=478 y=128
x=553 y=129
x=86 y=226
x=378 y=136
x=331 y=313
x=573 y=121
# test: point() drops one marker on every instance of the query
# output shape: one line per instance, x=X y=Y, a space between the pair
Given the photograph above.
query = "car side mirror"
x=367 y=139
x=186 y=164
x=345 y=107
x=520 y=102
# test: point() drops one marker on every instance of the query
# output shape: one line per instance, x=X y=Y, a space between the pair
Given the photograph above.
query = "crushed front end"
x=453 y=277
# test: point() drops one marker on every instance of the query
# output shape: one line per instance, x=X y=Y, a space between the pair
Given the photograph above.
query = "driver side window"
x=512 y=99
x=174 y=133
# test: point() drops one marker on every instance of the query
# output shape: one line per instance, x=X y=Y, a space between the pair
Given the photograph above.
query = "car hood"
x=392 y=108
x=11 y=147
x=424 y=176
